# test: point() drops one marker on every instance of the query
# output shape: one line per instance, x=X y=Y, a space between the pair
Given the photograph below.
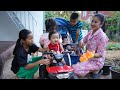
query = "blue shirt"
x=73 y=29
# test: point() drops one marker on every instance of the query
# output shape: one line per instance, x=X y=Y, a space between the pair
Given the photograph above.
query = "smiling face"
x=29 y=40
x=96 y=23
x=54 y=38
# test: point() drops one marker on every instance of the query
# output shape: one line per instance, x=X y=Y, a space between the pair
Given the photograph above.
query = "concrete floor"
x=8 y=74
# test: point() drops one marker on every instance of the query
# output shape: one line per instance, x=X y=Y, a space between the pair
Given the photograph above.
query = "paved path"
x=8 y=74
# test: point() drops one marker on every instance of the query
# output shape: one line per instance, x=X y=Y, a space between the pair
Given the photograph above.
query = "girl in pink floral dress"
x=95 y=40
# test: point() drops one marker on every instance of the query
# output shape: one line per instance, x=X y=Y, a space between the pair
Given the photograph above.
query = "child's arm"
x=81 y=44
x=61 y=47
x=49 y=57
x=42 y=49
x=77 y=34
x=34 y=54
x=63 y=62
x=43 y=61
x=35 y=48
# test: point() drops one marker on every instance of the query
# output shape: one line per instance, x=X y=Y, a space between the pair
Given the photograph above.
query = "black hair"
x=103 y=27
x=51 y=33
x=50 y=25
x=102 y=19
x=74 y=16
x=23 y=34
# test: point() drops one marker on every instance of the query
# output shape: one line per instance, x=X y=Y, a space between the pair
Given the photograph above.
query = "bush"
x=49 y=14
x=85 y=25
x=113 y=46
x=113 y=26
x=116 y=68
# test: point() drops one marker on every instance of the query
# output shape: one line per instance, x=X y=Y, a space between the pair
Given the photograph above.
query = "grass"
x=113 y=46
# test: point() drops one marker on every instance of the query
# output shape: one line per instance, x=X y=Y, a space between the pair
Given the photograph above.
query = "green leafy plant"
x=113 y=26
x=85 y=25
x=116 y=68
x=113 y=46
x=55 y=14
x=108 y=62
x=49 y=14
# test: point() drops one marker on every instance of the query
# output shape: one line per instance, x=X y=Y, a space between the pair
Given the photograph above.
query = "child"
x=65 y=42
x=55 y=46
x=74 y=27
x=23 y=65
x=75 y=30
x=51 y=26
x=95 y=40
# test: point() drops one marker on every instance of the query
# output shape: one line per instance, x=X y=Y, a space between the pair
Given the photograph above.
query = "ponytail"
x=103 y=27
x=22 y=35
x=18 y=43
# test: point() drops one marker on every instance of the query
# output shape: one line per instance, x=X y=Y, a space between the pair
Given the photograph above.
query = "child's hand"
x=44 y=61
x=81 y=45
x=34 y=54
x=53 y=52
x=58 y=52
x=69 y=47
x=74 y=49
x=50 y=58
x=62 y=51
x=63 y=62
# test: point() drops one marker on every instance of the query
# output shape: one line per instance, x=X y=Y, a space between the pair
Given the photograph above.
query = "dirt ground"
x=110 y=55
x=113 y=57
x=113 y=54
x=8 y=74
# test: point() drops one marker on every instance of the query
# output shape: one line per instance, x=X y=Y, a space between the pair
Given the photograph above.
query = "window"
x=84 y=13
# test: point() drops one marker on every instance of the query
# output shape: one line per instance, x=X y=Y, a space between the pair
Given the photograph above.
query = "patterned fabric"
x=96 y=42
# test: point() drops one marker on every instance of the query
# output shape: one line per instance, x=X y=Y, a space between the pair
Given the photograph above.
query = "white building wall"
x=30 y=23
x=84 y=32
x=38 y=15
x=8 y=29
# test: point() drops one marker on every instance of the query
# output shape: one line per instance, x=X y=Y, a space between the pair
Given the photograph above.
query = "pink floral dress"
x=96 y=42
